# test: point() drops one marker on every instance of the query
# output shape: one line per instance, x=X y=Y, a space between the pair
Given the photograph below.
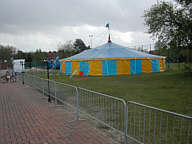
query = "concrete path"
x=26 y=118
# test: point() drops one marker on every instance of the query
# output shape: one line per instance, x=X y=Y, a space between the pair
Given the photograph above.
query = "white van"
x=18 y=65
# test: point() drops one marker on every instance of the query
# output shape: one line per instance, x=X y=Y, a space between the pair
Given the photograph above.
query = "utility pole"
x=90 y=37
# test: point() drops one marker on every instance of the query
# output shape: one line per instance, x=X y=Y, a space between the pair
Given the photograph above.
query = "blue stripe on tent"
x=67 y=67
x=104 y=67
x=60 y=63
x=112 y=67
x=109 y=67
x=84 y=67
x=133 y=66
x=139 y=66
x=136 y=66
x=155 y=65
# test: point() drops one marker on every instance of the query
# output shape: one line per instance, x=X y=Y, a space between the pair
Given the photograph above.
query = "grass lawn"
x=169 y=90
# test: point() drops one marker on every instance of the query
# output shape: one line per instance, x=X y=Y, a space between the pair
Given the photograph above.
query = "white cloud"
x=49 y=40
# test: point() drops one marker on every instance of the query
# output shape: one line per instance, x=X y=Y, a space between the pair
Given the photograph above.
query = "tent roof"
x=109 y=50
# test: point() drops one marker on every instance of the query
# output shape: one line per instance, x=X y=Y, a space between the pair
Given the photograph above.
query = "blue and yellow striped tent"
x=111 y=59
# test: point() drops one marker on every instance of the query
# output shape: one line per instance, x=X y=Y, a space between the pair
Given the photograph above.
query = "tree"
x=184 y=2
x=20 y=55
x=66 y=49
x=80 y=46
x=160 y=49
x=68 y=45
x=38 y=55
x=28 y=57
x=71 y=48
x=171 y=24
x=6 y=52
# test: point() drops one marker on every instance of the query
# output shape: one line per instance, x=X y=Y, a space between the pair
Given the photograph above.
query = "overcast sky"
x=32 y=24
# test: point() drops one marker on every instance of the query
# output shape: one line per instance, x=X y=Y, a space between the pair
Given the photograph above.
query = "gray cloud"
x=31 y=24
x=124 y=15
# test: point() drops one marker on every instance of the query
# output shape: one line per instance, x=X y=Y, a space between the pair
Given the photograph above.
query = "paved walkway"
x=26 y=118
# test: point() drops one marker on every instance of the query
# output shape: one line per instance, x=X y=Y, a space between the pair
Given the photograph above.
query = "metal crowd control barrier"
x=106 y=109
x=151 y=125
x=137 y=123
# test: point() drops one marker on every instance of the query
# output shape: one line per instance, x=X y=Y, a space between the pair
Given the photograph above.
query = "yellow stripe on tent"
x=123 y=67
x=63 y=66
x=95 y=68
x=146 y=66
x=75 y=68
x=162 y=65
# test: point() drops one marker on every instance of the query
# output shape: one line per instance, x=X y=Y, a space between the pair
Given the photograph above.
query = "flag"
x=107 y=25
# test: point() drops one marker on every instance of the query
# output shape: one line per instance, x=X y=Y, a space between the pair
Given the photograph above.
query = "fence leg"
x=55 y=93
x=77 y=104
x=43 y=92
x=32 y=82
x=126 y=123
x=23 y=77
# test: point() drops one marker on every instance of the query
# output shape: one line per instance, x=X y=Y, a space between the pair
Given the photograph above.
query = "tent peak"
x=109 y=39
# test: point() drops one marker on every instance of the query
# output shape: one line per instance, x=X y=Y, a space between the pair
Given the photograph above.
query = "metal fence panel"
x=103 y=107
x=66 y=93
x=155 y=126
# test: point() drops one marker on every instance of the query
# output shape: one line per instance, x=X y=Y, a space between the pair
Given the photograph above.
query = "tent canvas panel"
x=67 y=67
x=155 y=65
x=112 y=67
x=147 y=66
x=133 y=66
x=63 y=66
x=84 y=67
x=136 y=66
x=105 y=67
x=123 y=67
x=162 y=65
x=109 y=67
x=60 y=64
x=75 y=67
x=95 y=68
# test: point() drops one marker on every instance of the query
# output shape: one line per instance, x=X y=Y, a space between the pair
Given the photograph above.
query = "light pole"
x=90 y=36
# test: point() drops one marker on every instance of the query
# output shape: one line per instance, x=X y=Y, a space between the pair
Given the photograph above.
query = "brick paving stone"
x=26 y=118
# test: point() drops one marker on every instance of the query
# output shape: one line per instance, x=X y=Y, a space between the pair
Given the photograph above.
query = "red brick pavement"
x=26 y=118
